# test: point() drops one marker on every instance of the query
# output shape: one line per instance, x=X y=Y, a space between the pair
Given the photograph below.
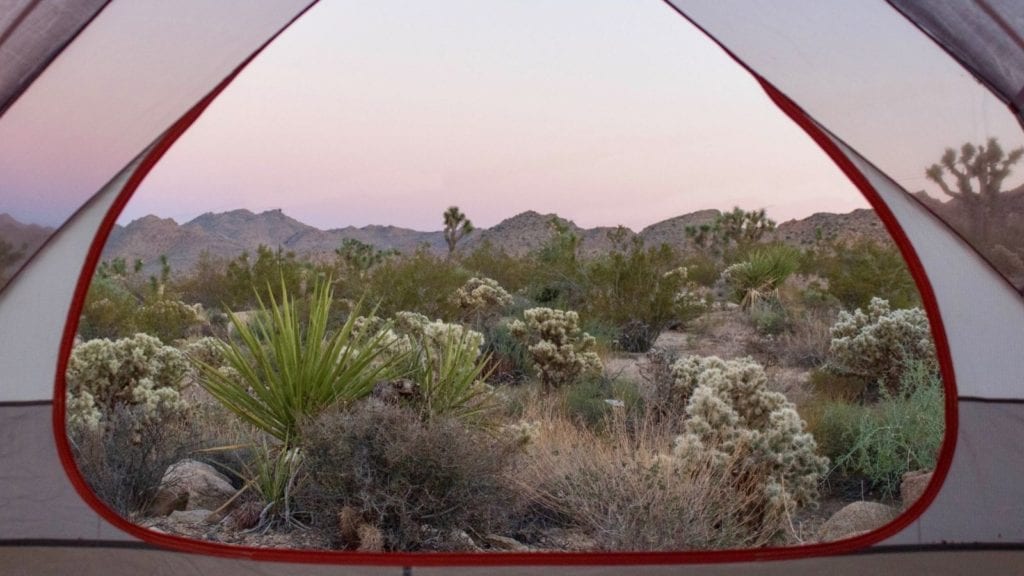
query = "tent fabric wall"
x=32 y=33
x=124 y=80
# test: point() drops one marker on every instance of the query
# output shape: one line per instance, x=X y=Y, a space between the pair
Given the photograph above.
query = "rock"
x=913 y=486
x=196 y=516
x=167 y=501
x=205 y=487
x=855 y=519
x=505 y=543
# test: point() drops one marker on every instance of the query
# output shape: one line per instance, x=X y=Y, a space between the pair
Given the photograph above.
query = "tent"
x=874 y=83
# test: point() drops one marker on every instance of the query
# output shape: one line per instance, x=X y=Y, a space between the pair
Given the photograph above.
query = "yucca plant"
x=280 y=370
x=273 y=474
x=451 y=379
x=757 y=279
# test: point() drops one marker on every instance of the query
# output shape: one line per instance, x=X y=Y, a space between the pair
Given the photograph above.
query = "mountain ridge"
x=228 y=234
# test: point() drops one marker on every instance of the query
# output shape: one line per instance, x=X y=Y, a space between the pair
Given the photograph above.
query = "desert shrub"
x=560 y=351
x=137 y=372
x=879 y=442
x=558 y=277
x=508 y=357
x=109 y=310
x=591 y=400
x=481 y=300
x=621 y=489
x=769 y=317
x=702 y=270
x=863 y=270
x=808 y=338
x=404 y=475
x=730 y=410
x=284 y=369
x=641 y=291
x=879 y=343
x=759 y=276
x=420 y=282
x=515 y=273
x=124 y=461
x=168 y=319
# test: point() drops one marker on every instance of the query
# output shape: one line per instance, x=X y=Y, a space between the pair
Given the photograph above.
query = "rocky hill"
x=228 y=234
x=862 y=223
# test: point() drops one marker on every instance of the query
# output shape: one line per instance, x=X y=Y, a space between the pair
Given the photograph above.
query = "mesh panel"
x=984 y=35
x=892 y=94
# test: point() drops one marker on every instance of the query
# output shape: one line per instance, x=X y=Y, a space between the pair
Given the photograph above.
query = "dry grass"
x=624 y=490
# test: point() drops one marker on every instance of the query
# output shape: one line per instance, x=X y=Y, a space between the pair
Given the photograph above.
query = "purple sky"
x=388 y=112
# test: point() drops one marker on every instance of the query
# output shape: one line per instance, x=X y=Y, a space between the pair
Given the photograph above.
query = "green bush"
x=641 y=291
x=865 y=269
x=879 y=442
x=405 y=476
x=508 y=357
x=420 y=282
x=109 y=310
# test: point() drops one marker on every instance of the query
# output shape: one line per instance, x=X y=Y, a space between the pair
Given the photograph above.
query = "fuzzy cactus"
x=879 y=343
x=732 y=416
x=481 y=299
x=138 y=372
x=561 y=352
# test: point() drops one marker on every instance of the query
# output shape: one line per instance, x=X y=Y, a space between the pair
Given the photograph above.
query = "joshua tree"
x=977 y=177
x=456 y=227
x=737 y=229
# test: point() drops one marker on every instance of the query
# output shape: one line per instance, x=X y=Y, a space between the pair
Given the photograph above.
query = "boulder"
x=913 y=486
x=196 y=516
x=855 y=519
x=207 y=489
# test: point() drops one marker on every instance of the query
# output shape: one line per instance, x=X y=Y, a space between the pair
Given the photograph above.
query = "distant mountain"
x=24 y=237
x=228 y=234
x=859 y=224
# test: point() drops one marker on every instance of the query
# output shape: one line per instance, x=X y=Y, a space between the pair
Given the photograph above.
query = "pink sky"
x=387 y=113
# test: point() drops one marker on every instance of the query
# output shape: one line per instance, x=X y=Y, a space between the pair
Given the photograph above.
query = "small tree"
x=456 y=227
x=736 y=231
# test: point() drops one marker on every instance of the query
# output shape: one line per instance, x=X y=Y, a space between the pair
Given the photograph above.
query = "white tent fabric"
x=44 y=522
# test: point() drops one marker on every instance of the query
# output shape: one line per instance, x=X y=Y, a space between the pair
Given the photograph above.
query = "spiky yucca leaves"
x=451 y=380
x=757 y=279
x=281 y=370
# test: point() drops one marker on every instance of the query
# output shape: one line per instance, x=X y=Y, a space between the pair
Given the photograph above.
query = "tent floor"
x=112 y=561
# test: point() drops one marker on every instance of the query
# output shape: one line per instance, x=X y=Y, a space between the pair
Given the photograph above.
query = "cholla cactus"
x=732 y=415
x=880 y=343
x=482 y=298
x=206 y=350
x=137 y=371
x=561 y=352
x=416 y=336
